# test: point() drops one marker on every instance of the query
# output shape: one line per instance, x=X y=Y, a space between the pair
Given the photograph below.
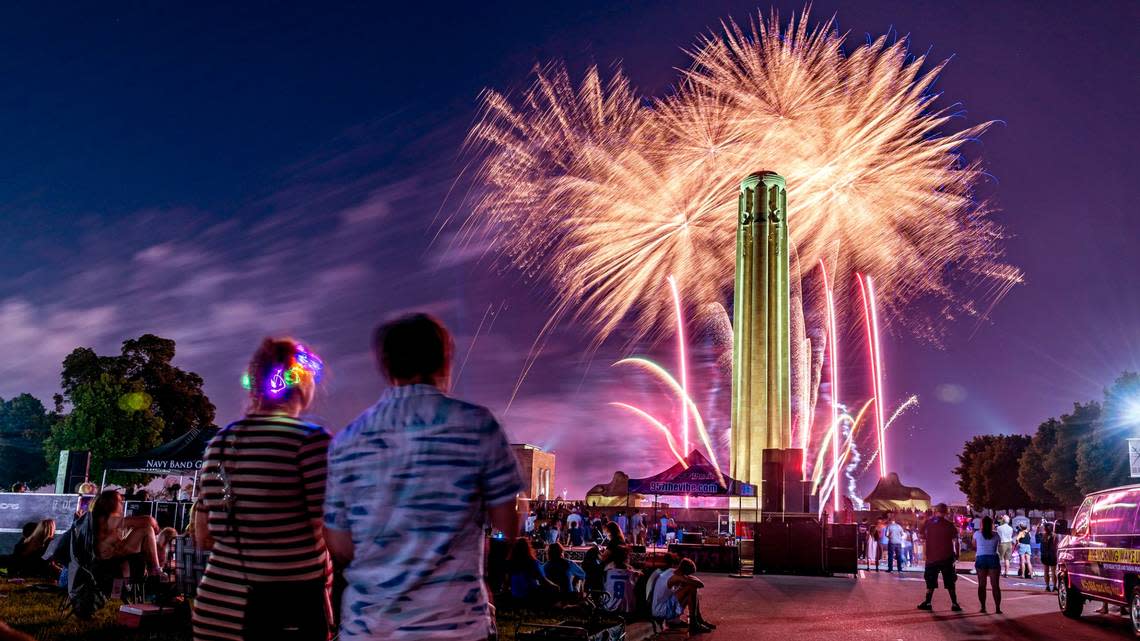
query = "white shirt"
x=530 y=520
x=1005 y=532
x=622 y=523
x=895 y=532
x=984 y=545
x=663 y=600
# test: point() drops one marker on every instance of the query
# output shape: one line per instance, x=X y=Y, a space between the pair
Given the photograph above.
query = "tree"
x=173 y=395
x=1031 y=471
x=104 y=423
x=1102 y=457
x=24 y=425
x=1061 y=462
x=971 y=480
x=999 y=470
x=987 y=471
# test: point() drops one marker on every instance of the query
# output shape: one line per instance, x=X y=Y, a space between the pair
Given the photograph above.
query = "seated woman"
x=165 y=544
x=121 y=536
x=28 y=555
x=526 y=579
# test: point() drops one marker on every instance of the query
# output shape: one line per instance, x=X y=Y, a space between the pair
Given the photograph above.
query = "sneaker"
x=925 y=606
x=955 y=608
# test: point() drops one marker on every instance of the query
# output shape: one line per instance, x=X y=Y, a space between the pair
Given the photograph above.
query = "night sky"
x=214 y=174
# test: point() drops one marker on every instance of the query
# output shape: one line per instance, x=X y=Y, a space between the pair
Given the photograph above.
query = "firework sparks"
x=598 y=192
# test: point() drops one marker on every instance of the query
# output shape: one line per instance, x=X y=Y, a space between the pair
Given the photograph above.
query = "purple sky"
x=217 y=174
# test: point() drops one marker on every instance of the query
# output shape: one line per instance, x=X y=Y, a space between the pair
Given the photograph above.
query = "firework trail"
x=664 y=376
x=833 y=356
x=597 y=192
x=682 y=364
x=875 y=354
x=660 y=426
x=909 y=403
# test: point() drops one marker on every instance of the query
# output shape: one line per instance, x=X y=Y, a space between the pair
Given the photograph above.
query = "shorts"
x=986 y=562
x=1005 y=551
x=946 y=569
x=1024 y=549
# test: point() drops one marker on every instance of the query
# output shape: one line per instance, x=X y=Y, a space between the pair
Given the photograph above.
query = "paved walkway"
x=881 y=607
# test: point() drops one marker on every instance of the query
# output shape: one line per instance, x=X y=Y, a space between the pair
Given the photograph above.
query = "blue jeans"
x=894 y=553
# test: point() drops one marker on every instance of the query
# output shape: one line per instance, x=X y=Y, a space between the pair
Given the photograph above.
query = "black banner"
x=18 y=509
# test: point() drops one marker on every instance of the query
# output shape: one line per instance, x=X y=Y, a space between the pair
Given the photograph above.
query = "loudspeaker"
x=772 y=485
x=843 y=548
x=72 y=470
x=790 y=546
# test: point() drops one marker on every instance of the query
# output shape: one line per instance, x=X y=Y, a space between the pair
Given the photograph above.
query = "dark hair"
x=554 y=551
x=615 y=533
x=987 y=528
x=619 y=556
x=1048 y=529
x=686 y=567
x=29 y=529
x=522 y=556
x=416 y=347
x=103 y=508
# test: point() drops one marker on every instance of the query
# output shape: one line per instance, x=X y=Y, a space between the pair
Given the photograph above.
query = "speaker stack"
x=72 y=471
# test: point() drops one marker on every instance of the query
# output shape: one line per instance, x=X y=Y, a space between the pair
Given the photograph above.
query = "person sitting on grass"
x=685 y=586
x=121 y=536
x=621 y=580
x=528 y=585
x=28 y=555
x=562 y=571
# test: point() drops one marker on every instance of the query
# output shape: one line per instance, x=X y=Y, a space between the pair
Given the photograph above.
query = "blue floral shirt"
x=411 y=480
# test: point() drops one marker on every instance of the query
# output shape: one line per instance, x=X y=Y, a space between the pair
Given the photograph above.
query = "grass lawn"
x=36 y=612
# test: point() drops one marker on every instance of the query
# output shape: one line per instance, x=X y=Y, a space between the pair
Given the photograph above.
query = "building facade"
x=537 y=467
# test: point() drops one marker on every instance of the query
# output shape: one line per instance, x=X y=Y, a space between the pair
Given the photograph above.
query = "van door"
x=1074 y=552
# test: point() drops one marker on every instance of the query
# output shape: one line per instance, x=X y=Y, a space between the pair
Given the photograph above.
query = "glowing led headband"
x=305 y=365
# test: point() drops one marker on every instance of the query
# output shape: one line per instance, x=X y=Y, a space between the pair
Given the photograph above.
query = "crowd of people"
x=574 y=524
x=397 y=508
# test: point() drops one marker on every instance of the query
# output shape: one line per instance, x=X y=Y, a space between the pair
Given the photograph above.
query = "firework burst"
x=600 y=192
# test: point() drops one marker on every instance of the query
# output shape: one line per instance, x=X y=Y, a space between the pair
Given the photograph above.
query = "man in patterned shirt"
x=410 y=485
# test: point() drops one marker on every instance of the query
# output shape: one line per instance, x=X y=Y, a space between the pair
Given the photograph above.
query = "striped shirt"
x=410 y=480
x=276 y=469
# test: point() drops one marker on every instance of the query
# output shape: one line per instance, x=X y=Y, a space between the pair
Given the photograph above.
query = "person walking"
x=873 y=544
x=942 y=549
x=259 y=511
x=1005 y=545
x=413 y=482
x=1049 y=557
x=986 y=563
x=894 y=536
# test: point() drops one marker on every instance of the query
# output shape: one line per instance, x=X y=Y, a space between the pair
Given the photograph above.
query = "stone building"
x=537 y=468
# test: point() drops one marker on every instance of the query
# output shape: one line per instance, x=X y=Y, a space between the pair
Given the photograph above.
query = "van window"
x=1114 y=513
x=1081 y=520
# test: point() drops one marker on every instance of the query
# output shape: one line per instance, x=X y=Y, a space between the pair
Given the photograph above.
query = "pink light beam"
x=867 y=290
x=682 y=363
x=833 y=355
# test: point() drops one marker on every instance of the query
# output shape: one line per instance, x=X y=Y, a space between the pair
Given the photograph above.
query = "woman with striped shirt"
x=260 y=509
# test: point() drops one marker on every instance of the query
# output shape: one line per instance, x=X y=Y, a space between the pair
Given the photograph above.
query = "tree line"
x=114 y=406
x=1083 y=451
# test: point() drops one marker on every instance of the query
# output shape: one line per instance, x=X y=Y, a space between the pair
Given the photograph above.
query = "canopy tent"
x=697 y=477
x=183 y=455
x=890 y=495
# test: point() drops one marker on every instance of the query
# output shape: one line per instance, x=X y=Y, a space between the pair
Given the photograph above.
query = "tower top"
x=765 y=177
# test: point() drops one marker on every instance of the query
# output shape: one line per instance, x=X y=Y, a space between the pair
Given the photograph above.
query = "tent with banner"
x=181 y=456
x=695 y=477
